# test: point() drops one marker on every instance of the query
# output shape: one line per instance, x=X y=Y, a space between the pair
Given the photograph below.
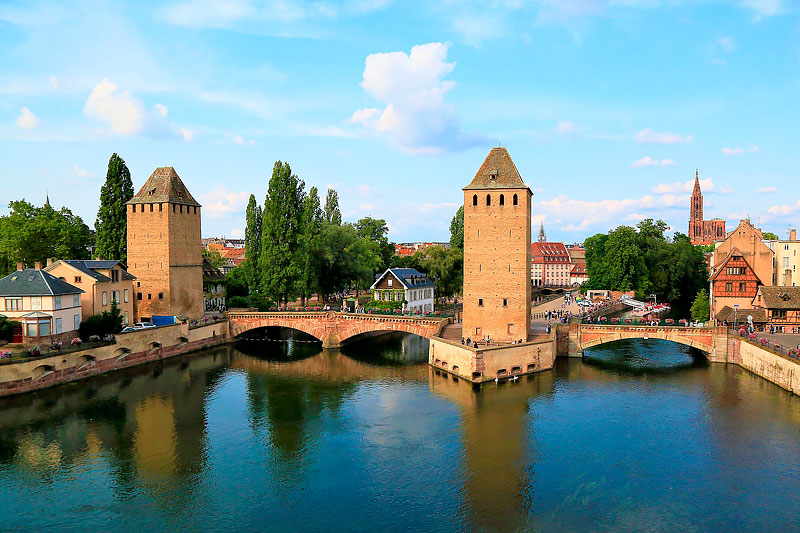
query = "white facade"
x=42 y=316
x=786 y=260
x=405 y=284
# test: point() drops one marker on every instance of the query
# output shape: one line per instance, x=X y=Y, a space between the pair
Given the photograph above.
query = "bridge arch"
x=700 y=338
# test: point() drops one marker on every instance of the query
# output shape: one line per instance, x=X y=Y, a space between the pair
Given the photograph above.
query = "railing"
x=669 y=322
x=766 y=344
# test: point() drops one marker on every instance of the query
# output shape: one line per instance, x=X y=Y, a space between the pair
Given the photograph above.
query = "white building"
x=405 y=285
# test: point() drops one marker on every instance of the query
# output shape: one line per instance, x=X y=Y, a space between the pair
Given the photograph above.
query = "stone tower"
x=542 y=234
x=696 y=211
x=497 y=251
x=164 y=248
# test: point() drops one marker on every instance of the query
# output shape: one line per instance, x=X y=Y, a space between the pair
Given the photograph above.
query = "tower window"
x=151 y=208
x=505 y=302
x=180 y=209
x=160 y=207
x=160 y=295
x=173 y=208
x=139 y=296
x=149 y=296
x=480 y=302
x=488 y=199
x=516 y=200
x=474 y=199
x=502 y=200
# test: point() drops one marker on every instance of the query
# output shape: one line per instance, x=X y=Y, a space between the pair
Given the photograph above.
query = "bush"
x=237 y=301
x=5 y=354
x=670 y=321
x=6 y=327
x=76 y=341
x=107 y=322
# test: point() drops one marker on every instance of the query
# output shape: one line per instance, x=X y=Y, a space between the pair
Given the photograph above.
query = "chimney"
x=50 y=261
x=20 y=266
x=37 y=265
x=792 y=234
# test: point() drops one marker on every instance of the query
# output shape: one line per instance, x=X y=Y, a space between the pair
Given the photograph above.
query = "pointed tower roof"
x=498 y=171
x=164 y=185
x=542 y=234
x=696 y=191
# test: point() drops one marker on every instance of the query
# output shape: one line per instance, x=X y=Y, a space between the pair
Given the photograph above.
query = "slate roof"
x=164 y=185
x=498 y=171
x=88 y=267
x=210 y=272
x=780 y=297
x=729 y=314
x=406 y=276
x=32 y=282
x=718 y=270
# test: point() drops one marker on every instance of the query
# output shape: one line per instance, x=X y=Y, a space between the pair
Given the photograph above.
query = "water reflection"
x=274 y=435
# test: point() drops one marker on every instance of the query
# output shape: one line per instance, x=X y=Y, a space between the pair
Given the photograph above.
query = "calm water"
x=640 y=435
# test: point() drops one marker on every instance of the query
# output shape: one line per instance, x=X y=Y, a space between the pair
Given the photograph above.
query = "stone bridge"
x=712 y=341
x=333 y=328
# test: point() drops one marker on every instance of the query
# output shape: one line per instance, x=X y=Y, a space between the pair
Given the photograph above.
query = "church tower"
x=164 y=248
x=696 y=211
x=497 y=251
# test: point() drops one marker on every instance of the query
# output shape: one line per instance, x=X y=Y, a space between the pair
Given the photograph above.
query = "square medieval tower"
x=497 y=251
x=165 y=251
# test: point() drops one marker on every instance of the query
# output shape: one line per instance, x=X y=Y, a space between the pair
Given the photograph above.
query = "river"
x=281 y=436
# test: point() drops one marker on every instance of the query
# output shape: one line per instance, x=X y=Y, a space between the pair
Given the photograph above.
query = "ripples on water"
x=275 y=435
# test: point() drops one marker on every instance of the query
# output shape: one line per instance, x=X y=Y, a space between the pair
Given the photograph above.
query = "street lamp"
x=735 y=317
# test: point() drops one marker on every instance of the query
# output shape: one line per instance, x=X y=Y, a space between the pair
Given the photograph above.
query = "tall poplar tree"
x=111 y=226
x=252 y=243
x=332 y=214
x=281 y=228
x=310 y=244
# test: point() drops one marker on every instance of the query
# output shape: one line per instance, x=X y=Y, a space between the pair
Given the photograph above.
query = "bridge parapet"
x=333 y=327
x=712 y=341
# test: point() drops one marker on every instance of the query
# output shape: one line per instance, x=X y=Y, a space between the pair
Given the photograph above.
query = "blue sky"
x=606 y=106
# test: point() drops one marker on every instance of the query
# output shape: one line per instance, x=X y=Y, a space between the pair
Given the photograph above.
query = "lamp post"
x=735 y=317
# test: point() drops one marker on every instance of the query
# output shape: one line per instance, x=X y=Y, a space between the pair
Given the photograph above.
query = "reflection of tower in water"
x=495 y=445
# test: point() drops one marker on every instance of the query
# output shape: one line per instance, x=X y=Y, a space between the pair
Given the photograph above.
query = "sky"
x=608 y=107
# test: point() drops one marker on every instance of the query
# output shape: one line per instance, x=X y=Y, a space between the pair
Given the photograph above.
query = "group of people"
x=474 y=343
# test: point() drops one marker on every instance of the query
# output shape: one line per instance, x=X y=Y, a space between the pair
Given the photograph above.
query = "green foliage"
x=375 y=230
x=252 y=242
x=643 y=259
x=279 y=261
x=310 y=244
x=111 y=224
x=457 y=229
x=236 y=282
x=769 y=236
x=380 y=304
x=445 y=267
x=237 y=301
x=214 y=258
x=101 y=323
x=346 y=259
x=31 y=234
x=332 y=214
x=701 y=309
x=6 y=328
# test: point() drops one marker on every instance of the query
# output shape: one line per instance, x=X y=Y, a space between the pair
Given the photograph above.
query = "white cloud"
x=237 y=233
x=566 y=127
x=124 y=114
x=365 y=206
x=54 y=82
x=416 y=118
x=187 y=134
x=651 y=136
x=726 y=44
x=739 y=150
x=648 y=161
x=365 y=190
x=82 y=173
x=765 y=190
x=26 y=119
x=221 y=202
x=707 y=185
x=238 y=139
x=764 y=8
x=160 y=110
x=784 y=209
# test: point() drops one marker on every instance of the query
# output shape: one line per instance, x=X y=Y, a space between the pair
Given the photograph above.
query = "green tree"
x=769 y=236
x=252 y=243
x=281 y=229
x=214 y=257
x=335 y=242
x=457 y=229
x=445 y=267
x=31 y=234
x=701 y=310
x=111 y=224
x=364 y=260
x=375 y=230
x=310 y=244
x=332 y=214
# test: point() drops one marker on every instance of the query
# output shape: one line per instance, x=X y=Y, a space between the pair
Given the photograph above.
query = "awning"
x=35 y=315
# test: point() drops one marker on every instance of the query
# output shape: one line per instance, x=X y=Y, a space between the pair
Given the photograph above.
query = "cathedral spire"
x=696 y=183
x=542 y=235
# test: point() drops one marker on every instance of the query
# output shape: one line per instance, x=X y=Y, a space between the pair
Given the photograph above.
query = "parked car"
x=143 y=325
x=127 y=329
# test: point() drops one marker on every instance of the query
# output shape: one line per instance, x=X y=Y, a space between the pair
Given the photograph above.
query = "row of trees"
x=29 y=233
x=645 y=260
x=297 y=247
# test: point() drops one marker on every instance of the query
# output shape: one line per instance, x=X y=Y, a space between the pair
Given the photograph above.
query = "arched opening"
x=182 y=341
x=639 y=356
x=474 y=199
x=155 y=345
x=42 y=371
x=121 y=353
x=84 y=361
x=387 y=348
x=515 y=200
x=277 y=343
x=502 y=200
x=502 y=373
x=488 y=199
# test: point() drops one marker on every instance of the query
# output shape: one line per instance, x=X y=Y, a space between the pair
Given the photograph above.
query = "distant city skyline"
x=606 y=107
